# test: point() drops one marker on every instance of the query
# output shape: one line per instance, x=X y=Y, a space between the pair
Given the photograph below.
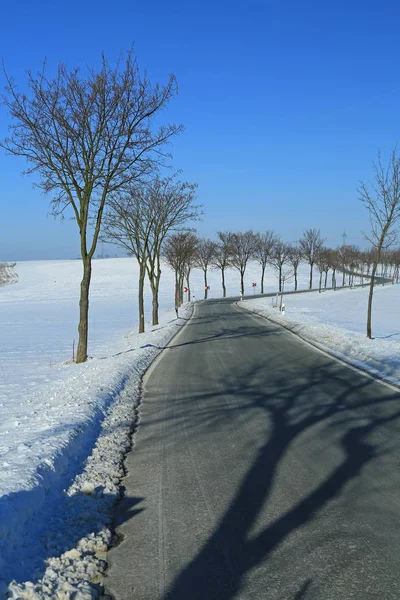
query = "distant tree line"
x=236 y=249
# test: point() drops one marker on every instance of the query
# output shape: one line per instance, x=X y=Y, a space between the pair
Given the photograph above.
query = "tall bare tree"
x=179 y=250
x=243 y=248
x=264 y=248
x=222 y=256
x=332 y=258
x=204 y=258
x=171 y=207
x=86 y=137
x=294 y=258
x=343 y=254
x=322 y=262
x=138 y=219
x=310 y=244
x=279 y=258
x=127 y=225
x=382 y=201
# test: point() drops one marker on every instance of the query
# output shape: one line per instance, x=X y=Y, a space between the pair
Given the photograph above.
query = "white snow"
x=64 y=427
x=336 y=321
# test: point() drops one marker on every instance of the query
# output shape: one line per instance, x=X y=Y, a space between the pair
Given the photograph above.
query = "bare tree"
x=332 y=260
x=383 y=205
x=280 y=258
x=310 y=244
x=322 y=262
x=170 y=207
x=222 y=255
x=353 y=262
x=87 y=137
x=396 y=266
x=126 y=225
x=178 y=251
x=204 y=258
x=294 y=258
x=189 y=264
x=243 y=249
x=369 y=259
x=264 y=248
x=343 y=254
x=138 y=219
x=286 y=275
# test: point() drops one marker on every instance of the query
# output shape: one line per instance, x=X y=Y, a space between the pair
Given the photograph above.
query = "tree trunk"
x=223 y=282
x=334 y=279
x=205 y=284
x=320 y=281
x=180 y=289
x=281 y=305
x=295 y=279
x=155 y=285
x=188 y=285
x=242 y=282
x=371 y=292
x=176 y=289
x=142 y=272
x=326 y=279
x=280 y=279
x=343 y=280
x=81 y=353
x=154 y=274
x=262 y=278
x=311 y=270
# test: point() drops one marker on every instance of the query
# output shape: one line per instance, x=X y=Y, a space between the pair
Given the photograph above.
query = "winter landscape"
x=57 y=494
x=200 y=349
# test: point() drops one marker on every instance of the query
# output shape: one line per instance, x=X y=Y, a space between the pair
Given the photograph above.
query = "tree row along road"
x=262 y=469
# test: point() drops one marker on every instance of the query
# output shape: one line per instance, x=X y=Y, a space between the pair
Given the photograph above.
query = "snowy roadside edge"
x=300 y=330
x=78 y=571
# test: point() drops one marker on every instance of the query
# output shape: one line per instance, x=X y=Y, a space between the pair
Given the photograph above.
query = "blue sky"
x=285 y=105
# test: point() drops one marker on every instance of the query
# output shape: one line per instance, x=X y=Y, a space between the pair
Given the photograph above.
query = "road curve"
x=261 y=470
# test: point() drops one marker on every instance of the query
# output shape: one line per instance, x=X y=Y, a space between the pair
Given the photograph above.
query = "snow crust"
x=336 y=321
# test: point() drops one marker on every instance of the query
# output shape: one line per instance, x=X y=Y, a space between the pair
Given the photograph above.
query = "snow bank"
x=54 y=529
x=336 y=322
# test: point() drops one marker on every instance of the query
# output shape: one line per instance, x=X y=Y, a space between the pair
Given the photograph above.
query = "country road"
x=262 y=470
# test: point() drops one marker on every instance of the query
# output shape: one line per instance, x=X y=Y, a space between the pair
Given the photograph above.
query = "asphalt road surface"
x=262 y=470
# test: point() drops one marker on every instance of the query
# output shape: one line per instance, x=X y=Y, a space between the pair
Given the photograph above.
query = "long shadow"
x=230 y=553
x=223 y=335
x=290 y=404
x=386 y=337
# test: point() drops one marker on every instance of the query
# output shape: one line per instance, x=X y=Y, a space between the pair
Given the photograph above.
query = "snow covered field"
x=55 y=503
x=336 y=321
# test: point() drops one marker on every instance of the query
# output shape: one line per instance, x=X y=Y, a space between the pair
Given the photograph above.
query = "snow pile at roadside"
x=336 y=322
x=54 y=528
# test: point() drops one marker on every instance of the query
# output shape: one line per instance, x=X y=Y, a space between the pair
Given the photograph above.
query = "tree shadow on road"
x=347 y=407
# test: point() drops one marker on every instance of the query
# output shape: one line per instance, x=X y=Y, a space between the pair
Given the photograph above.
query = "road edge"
x=347 y=363
x=106 y=595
